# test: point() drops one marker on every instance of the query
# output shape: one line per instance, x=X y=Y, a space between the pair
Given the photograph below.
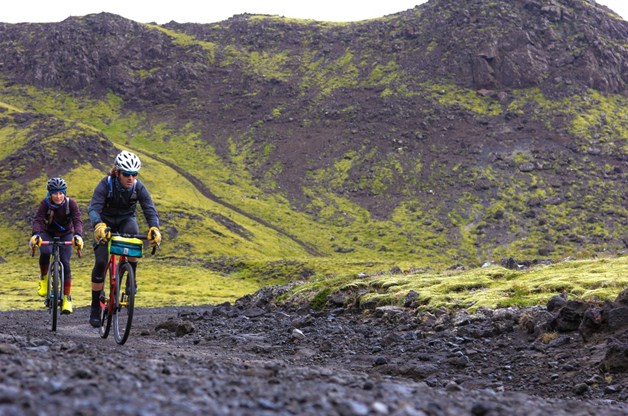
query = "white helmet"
x=127 y=161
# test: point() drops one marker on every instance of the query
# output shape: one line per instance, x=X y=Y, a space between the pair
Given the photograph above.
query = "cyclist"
x=113 y=207
x=57 y=216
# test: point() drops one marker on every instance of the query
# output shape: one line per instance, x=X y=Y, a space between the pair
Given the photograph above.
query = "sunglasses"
x=127 y=174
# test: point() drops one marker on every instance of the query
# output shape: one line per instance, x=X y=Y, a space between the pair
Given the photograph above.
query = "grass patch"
x=160 y=283
x=490 y=287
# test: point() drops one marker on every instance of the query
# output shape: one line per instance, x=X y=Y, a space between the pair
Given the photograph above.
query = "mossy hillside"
x=594 y=119
x=81 y=110
x=233 y=187
x=132 y=129
x=203 y=227
x=128 y=130
x=11 y=138
x=427 y=218
x=83 y=189
x=231 y=184
x=441 y=94
x=486 y=287
x=539 y=219
x=344 y=63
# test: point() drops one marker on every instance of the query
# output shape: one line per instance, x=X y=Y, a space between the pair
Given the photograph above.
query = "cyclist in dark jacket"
x=112 y=208
x=57 y=216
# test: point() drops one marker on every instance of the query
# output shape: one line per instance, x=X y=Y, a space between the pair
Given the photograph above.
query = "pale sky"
x=199 y=11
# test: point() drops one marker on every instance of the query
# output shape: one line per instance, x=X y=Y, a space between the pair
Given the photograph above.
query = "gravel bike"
x=117 y=307
x=56 y=279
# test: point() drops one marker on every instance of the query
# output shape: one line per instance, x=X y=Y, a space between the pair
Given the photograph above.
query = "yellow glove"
x=35 y=241
x=101 y=233
x=154 y=236
x=77 y=242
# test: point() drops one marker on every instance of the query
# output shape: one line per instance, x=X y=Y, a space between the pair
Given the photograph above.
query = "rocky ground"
x=254 y=358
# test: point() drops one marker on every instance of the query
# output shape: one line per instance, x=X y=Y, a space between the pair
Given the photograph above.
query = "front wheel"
x=124 y=302
x=54 y=292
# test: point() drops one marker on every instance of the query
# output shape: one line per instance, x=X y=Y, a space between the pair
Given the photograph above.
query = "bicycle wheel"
x=54 y=290
x=124 y=303
x=105 y=301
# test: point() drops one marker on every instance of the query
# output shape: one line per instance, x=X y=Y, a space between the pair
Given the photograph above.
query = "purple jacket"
x=55 y=220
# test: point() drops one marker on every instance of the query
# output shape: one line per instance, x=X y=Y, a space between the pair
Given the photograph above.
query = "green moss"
x=271 y=66
x=520 y=158
x=323 y=76
x=484 y=287
x=320 y=299
x=185 y=40
x=593 y=116
x=451 y=95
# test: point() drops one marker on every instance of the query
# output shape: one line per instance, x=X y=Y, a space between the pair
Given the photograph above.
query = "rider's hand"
x=77 y=242
x=35 y=241
x=154 y=236
x=101 y=233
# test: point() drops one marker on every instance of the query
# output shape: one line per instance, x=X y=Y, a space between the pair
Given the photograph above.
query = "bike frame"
x=54 y=291
x=112 y=266
x=113 y=303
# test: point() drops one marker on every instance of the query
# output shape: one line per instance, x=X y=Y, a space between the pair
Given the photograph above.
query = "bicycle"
x=56 y=279
x=117 y=308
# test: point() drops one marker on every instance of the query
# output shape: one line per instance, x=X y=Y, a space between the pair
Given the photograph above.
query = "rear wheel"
x=124 y=303
x=54 y=290
x=105 y=316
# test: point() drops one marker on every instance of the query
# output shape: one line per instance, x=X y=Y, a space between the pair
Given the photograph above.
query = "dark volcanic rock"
x=205 y=359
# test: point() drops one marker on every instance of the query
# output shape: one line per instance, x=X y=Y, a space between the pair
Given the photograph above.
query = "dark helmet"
x=56 y=184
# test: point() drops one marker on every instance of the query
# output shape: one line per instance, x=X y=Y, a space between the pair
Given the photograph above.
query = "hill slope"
x=448 y=133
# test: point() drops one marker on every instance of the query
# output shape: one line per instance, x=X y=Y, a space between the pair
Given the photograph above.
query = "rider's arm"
x=97 y=203
x=77 y=220
x=148 y=207
x=39 y=221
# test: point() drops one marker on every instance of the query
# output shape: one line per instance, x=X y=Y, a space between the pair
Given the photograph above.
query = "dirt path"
x=255 y=359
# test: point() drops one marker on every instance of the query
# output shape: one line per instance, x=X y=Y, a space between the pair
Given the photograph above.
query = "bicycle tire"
x=124 y=303
x=54 y=283
x=105 y=316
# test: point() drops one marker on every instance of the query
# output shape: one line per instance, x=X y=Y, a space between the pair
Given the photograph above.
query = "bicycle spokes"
x=124 y=302
x=105 y=316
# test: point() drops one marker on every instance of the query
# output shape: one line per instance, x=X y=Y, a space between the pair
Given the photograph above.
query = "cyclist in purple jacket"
x=112 y=208
x=57 y=216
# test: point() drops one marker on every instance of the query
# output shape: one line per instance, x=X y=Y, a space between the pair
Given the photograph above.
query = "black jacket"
x=113 y=204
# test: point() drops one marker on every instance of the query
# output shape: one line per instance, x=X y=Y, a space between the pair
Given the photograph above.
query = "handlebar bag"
x=125 y=246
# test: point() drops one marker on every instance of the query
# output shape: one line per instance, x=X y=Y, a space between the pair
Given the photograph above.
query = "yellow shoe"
x=43 y=286
x=66 y=307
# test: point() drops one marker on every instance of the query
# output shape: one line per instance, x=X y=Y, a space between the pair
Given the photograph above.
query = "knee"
x=98 y=279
